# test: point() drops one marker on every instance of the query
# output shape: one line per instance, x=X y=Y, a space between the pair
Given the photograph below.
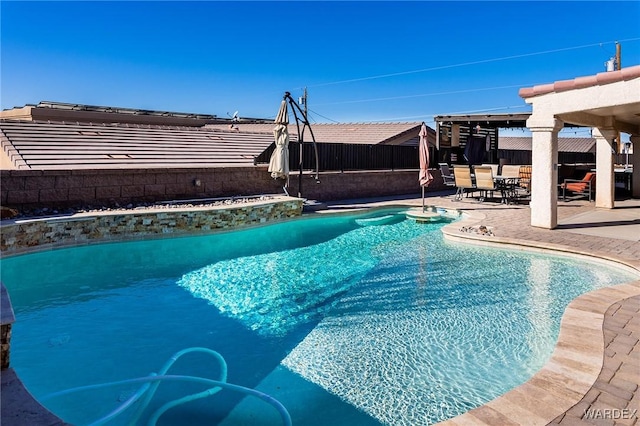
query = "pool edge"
x=571 y=372
x=529 y=401
x=579 y=351
x=19 y=407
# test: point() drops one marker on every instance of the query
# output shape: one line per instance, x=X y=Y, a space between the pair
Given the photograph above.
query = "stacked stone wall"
x=7 y=318
x=19 y=236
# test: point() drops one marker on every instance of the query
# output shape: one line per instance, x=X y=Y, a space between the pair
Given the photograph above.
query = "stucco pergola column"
x=544 y=167
x=635 y=161
x=605 y=177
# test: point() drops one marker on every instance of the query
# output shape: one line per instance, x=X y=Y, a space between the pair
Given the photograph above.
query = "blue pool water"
x=342 y=323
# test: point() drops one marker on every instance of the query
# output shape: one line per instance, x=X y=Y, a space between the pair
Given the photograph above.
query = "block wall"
x=29 y=189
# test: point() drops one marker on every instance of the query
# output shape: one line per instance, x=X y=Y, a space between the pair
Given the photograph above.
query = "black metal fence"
x=345 y=157
x=342 y=157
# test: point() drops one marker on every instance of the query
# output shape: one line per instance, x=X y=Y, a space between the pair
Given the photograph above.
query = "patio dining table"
x=508 y=186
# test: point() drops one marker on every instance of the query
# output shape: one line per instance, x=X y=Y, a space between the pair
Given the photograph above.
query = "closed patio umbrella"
x=425 y=178
x=279 y=162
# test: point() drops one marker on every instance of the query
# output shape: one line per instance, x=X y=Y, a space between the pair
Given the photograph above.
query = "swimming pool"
x=342 y=323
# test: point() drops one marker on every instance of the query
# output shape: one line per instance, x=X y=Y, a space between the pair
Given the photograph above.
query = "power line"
x=429 y=94
x=428 y=118
x=453 y=91
x=326 y=118
x=483 y=61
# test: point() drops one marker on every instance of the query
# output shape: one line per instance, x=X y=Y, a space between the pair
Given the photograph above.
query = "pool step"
x=378 y=220
x=423 y=216
x=313 y=206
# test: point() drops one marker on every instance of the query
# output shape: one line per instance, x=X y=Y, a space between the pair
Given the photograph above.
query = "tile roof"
x=42 y=145
x=523 y=143
x=599 y=79
x=350 y=133
x=80 y=145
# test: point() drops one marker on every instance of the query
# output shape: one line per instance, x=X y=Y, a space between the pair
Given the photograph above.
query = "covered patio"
x=607 y=102
x=454 y=131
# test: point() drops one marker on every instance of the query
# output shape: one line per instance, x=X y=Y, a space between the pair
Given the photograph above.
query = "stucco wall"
x=26 y=189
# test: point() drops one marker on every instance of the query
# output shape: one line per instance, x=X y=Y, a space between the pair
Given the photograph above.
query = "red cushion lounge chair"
x=584 y=186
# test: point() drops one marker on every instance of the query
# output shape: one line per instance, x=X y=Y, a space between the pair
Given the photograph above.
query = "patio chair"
x=464 y=184
x=484 y=181
x=447 y=176
x=581 y=187
x=494 y=168
x=510 y=171
x=524 y=181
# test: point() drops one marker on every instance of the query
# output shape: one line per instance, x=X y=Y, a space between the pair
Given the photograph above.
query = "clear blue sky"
x=361 y=61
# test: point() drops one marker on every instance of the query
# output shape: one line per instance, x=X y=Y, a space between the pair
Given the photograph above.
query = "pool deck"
x=595 y=368
x=594 y=372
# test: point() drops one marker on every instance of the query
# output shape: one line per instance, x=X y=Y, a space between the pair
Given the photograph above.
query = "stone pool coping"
x=578 y=359
x=560 y=385
x=572 y=371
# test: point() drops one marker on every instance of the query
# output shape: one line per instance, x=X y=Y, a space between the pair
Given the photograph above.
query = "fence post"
x=393 y=157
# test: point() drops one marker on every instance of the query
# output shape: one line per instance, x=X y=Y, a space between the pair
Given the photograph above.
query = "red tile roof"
x=599 y=79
